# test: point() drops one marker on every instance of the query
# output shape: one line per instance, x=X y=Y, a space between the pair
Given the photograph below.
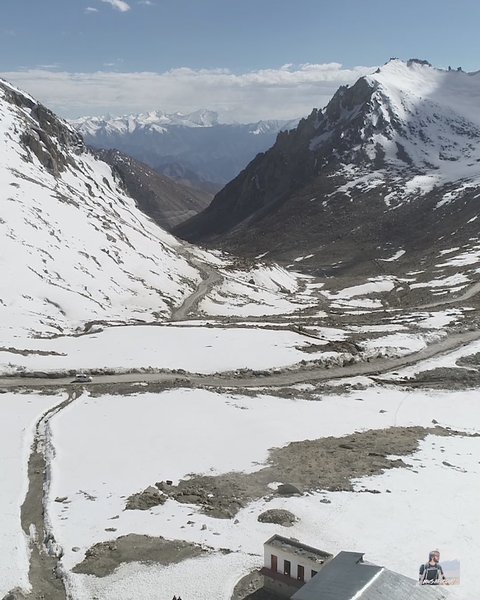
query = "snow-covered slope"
x=197 y=142
x=75 y=249
x=73 y=246
x=392 y=164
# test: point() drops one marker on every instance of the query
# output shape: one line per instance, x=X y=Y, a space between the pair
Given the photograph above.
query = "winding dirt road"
x=469 y=293
x=211 y=277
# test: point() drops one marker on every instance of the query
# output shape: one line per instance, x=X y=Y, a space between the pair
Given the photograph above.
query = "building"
x=298 y=572
x=288 y=565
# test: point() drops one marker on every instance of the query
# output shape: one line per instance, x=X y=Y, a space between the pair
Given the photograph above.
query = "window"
x=273 y=563
x=287 y=568
x=313 y=573
x=300 y=573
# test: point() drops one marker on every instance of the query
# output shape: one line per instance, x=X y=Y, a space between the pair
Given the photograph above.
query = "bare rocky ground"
x=326 y=464
x=102 y=559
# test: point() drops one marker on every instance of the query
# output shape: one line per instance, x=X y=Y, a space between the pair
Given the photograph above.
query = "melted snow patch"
x=469 y=257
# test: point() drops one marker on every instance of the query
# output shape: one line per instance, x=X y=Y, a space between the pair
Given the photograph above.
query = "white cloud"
x=145 y=2
x=118 y=4
x=283 y=93
x=91 y=9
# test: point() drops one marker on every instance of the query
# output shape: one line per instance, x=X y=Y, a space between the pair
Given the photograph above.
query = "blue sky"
x=66 y=38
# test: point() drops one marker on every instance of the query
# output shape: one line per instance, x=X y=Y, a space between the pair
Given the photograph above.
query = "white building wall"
x=294 y=559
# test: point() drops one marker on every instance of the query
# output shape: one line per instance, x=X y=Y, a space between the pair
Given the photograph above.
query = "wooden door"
x=300 y=573
x=287 y=568
x=273 y=563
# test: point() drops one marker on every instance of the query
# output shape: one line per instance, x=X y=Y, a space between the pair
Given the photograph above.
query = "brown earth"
x=103 y=558
x=312 y=465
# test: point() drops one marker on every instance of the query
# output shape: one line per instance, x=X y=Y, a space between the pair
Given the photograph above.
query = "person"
x=431 y=573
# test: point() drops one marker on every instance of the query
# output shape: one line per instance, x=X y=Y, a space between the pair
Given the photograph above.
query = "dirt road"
x=211 y=277
x=44 y=573
x=270 y=379
x=469 y=293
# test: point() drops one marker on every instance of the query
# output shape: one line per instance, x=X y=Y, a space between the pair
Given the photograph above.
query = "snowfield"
x=195 y=349
x=19 y=414
x=83 y=250
x=260 y=291
x=179 y=432
x=401 y=343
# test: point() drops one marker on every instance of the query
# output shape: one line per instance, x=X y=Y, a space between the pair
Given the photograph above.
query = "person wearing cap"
x=431 y=573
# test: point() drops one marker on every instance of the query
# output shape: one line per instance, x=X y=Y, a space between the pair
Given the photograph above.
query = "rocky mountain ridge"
x=392 y=162
x=166 y=201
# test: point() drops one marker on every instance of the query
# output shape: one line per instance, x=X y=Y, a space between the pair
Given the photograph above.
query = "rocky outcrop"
x=277 y=516
x=45 y=136
x=145 y=500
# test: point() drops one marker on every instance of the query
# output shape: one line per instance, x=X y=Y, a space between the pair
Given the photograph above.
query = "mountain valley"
x=158 y=396
x=195 y=147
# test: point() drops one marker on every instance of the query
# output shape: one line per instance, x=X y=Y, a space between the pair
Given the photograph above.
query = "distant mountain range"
x=392 y=164
x=194 y=149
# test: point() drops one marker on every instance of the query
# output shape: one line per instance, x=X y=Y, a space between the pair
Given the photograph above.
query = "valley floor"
x=371 y=415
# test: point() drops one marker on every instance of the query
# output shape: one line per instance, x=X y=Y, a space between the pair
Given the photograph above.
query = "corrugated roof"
x=394 y=586
x=347 y=577
x=340 y=579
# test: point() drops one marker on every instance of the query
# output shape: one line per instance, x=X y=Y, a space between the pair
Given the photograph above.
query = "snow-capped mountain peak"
x=408 y=117
x=155 y=119
x=385 y=155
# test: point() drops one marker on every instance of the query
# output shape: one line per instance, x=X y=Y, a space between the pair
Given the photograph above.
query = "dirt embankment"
x=464 y=375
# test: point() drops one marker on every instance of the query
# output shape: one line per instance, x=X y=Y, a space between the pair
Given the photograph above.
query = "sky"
x=247 y=60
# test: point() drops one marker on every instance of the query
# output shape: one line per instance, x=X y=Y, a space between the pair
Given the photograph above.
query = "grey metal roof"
x=340 y=579
x=394 y=586
x=346 y=575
